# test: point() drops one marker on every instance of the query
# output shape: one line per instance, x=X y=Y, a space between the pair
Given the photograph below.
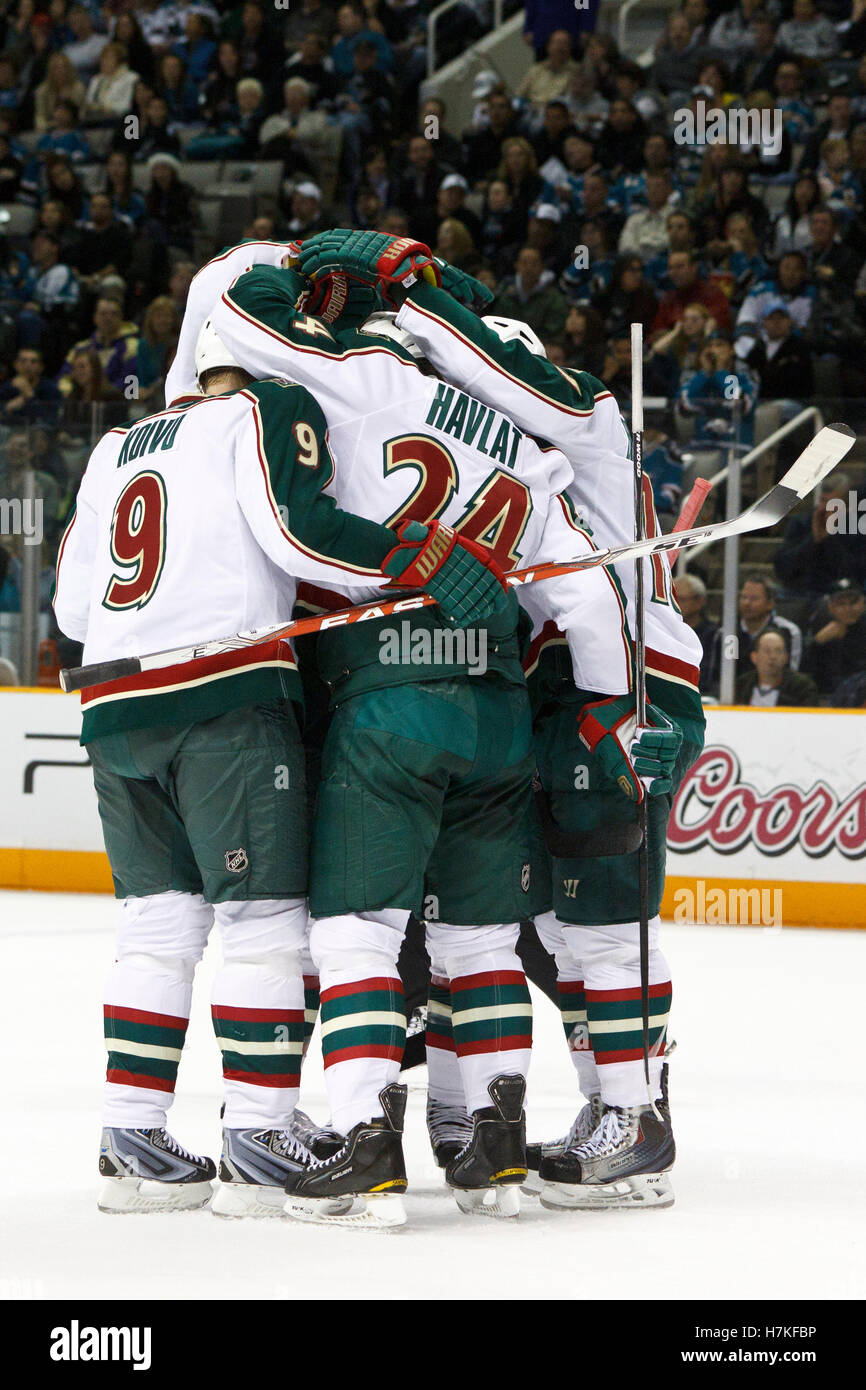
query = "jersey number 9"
x=137 y=542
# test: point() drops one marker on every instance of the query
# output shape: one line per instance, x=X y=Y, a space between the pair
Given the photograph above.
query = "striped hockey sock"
x=258 y=1019
x=146 y=1012
x=144 y=1052
x=616 y=1036
x=363 y=1037
x=572 y=1004
x=444 y=1082
x=492 y=1024
x=311 y=1007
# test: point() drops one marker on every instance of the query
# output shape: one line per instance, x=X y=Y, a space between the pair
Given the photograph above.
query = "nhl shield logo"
x=236 y=860
x=524 y=878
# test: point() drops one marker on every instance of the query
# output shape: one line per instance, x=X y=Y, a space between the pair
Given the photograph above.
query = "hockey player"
x=190 y=523
x=618 y=1151
x=408 y=446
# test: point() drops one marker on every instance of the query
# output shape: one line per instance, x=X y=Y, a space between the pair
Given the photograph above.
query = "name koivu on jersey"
x=147 y=438
x=468 y=419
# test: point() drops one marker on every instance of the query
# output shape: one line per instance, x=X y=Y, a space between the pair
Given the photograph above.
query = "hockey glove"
x=337 y=299
x=464 y=288
x=640 y=760
x=390 y=264
x=461 y=575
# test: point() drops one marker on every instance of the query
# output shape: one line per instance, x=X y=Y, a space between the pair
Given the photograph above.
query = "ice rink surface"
x=767 y=1092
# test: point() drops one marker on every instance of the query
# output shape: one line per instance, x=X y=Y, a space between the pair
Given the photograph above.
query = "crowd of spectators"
x=573 y=196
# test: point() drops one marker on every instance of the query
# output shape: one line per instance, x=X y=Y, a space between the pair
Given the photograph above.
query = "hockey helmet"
x=382 y=325
x=211 y=351
x=511 y=330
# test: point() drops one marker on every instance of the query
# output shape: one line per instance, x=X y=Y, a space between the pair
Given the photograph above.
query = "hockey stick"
x=640 y=685
x=691 y=511
x=818 y=459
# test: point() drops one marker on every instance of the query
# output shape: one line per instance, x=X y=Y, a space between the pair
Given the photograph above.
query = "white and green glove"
x=640 y=760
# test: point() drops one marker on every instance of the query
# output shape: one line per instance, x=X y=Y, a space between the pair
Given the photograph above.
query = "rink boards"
x=768 y=829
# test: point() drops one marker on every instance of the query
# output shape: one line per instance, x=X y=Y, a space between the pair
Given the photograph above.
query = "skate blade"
x=128 y=1195
x=372 y=1211
x=641 y=1190
x=236 y=1199
x=488 y=1201
x=532 y=1184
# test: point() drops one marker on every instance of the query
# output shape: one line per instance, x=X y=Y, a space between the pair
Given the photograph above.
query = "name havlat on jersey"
x=147 y=438
x=453 y=412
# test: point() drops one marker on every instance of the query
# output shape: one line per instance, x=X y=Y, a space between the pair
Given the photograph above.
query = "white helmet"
x=383 y=325
x=511 y=330
x=211 y=351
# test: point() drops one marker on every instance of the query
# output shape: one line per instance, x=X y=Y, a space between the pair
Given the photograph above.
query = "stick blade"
x=816 y=462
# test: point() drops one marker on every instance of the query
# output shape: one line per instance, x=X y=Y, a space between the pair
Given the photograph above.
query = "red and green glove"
x=464 y=288
x=461 y=575
x=390 y=264
x=640 y=760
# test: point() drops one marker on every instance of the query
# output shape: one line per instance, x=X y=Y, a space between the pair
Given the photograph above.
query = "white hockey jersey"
x=580 y=416
x=205 y=289
x=193 y=524
x=408 y=446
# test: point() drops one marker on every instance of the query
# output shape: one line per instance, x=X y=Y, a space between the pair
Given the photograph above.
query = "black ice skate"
x=253 y=1169
x=582 y=1126
x=625 y=1162
x=485 y=1173
x=361 y=1184
x=148 y=1170
x=450 y=1129
x=321 y=1140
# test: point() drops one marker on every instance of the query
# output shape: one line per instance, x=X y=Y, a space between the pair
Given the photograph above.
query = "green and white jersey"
x=409 y=446
x=195 y=523
x=577 y=414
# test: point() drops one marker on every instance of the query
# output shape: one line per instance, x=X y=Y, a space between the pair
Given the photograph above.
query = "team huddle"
x=344 y=424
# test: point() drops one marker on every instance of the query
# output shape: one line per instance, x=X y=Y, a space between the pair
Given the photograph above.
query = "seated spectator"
x=566 y=174
x=28 y=397
x=197 y=47
x=720 y=397
x=155 y=135
x=619 y=147
x=663 y=466
x=817 y=551
x=501 y=227
x=757 y=69
x=584 y=340
x=550 y=78
x=53 y=296
x=790 y=286
x=597 y=205
x=110 y=92
x=312 y=64
x=160 y=327
x=449 y=147
x=261 y=57
x=86 y=45
x=690 y=592
x=306 y=210
x=61 y=137
x=169 y=202
x=757 y=609
x=128 y=205
x=454 y=244
x=104 y=244
x=630 y=191
x=730 y=194
x=85 y=383
x=236 y=137
x=688 y=288
x=676 y=63
x=674 y=358
x=781 y=359
x=731 y=35
x=482 y=145
x=631 y=85
x=772 y=682
x=808 y=34
x=616 y=373
x=681 y=237
x=18 y=458
x=114 y=342
x=451 y=202
x=310 y=17
x=544 y=232
x=587 y=106
x=645 y=233
x=841 y=190
x=836 y=126
x=797 y=115
x=548 y=141
x=519 y=169
x=417 y=188
x=793 y=230
x=590 y=274
x=177 y=90
x=836 y=642
x=127 y=31
x=296 y=135
x=11 y=169
x=531 y=295
x=61 y=83
x=217 y=96
x=363 y=104
x=352 y=28
x=735 y=258
x=395 y=222
x=628 y=299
